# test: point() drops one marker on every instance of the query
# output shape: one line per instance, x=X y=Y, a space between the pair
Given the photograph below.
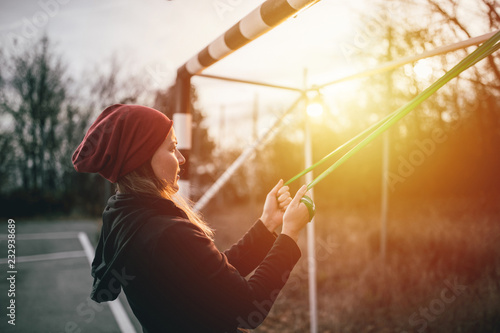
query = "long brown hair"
x=144 y=181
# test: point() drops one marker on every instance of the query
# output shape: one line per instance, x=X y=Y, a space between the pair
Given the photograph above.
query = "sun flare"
x=423 y=70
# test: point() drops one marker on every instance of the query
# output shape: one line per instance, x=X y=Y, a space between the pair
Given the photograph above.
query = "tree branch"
x=450 y=17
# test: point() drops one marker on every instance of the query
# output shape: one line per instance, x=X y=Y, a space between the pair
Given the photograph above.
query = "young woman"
x=155 y=247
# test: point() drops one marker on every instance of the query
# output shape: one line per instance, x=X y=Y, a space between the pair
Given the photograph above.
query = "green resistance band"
x=483 y=51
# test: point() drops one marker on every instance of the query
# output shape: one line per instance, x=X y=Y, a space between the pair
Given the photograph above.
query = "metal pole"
x=385 y=195
x=222 y=125
x=256 y=83
x=262 y=19
x=247 y=153
x=253 y=166
x=311 y=252
x=385 y=159
x=182 y=125
x=485 y=50
x=406 y=60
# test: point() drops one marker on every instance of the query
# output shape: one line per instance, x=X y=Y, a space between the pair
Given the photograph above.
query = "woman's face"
x=167 y=159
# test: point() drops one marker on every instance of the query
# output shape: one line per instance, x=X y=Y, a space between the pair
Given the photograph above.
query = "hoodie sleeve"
x=218 y=291
x=251 y=249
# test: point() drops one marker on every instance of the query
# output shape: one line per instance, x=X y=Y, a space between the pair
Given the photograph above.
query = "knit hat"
x=120 y=140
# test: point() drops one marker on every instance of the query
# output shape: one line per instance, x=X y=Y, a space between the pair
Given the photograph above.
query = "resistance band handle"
x=311 y=207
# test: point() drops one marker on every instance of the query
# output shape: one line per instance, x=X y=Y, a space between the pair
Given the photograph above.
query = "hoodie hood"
x=122 y=218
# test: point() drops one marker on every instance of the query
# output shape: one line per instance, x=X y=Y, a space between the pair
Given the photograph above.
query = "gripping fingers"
x=278 y=187
x=283 y=190
x=300 y=193
x=310 y=206
x=284 y=204
x=283 y=197
x=300 y=197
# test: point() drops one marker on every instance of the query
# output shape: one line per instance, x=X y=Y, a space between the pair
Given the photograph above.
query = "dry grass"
x=431 y=246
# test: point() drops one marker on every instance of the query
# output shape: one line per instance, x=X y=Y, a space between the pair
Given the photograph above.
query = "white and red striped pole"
x=182 y=125
x=262 y=19
x=268 y=15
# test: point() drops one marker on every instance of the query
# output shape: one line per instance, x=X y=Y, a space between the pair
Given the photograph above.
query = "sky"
x=155 y=37
x=166 y=33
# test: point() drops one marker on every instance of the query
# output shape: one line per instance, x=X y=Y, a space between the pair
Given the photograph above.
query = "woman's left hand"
x=276 y=203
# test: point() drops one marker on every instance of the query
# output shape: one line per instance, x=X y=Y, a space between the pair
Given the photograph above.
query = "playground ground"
x=53 y=281
x=448 y=249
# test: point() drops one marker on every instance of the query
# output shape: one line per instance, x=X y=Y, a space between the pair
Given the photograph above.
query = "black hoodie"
x=174 y=277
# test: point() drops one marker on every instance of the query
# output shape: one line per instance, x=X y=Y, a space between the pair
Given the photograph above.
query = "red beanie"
x=121 y=139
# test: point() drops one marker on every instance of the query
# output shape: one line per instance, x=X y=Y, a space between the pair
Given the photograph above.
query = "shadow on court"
x=53 y=281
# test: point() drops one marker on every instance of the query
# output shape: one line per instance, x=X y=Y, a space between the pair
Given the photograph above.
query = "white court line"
x=119 y=312
x=47 y=235
x=47 y=256
x=87 y=246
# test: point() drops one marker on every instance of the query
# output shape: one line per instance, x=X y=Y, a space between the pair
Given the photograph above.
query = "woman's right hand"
x=296 y=215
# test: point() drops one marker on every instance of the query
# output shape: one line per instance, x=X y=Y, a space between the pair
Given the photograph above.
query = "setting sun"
x=422 y=69
x=315 y=109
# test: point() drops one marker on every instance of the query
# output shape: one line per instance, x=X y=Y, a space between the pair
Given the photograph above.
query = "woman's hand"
x=296 y=215
x=276 y=203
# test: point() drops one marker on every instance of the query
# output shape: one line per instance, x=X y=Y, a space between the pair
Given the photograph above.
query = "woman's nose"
x=180 y=158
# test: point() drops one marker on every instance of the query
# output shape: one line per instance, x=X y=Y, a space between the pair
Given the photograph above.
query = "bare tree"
x=34 y=96
x=487 y=11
